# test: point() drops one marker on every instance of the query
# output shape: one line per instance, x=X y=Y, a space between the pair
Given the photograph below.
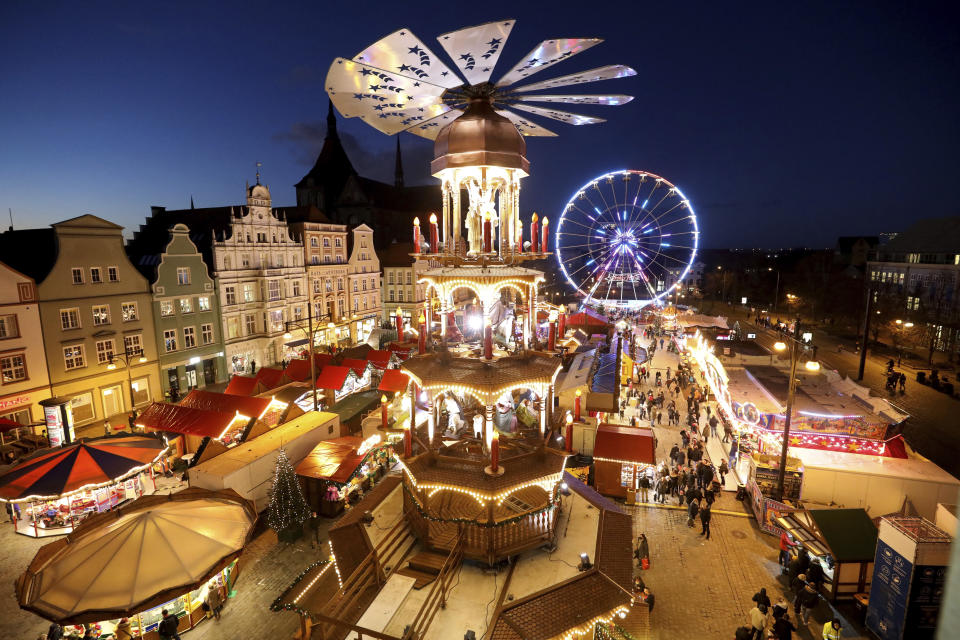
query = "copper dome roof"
x=479 y=137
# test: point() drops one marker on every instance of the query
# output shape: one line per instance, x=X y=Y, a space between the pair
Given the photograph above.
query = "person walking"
x=723 y=469
x=215 y=601
x=693 y=507
x=705 y=515
x=644 y=488
x=808 y=599
x=831 y=630
x=168 y=626
x=643 y=550
x=762 y=600
x=758 y=622
x=780 y=608
x=782 y=627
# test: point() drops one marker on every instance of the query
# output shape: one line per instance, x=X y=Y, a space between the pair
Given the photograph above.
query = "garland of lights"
x=291 y=606
x=356 y=473
x=512 y=520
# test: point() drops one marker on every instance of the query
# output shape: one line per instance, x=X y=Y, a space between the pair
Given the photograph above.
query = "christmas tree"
x=288 y=509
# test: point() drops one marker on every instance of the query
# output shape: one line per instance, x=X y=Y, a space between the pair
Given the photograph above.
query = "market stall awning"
x=381 y=358
x=174 y=418
x=333 y=460
x=270 y=377
x=298 y=370
x=625 y=444
x=56 y=472
x=358 y=365
x=247 y=406
x=141 y=555
x=241 y=386
x=587 y=317
x=333 y=377
x=850 y=533
x=296 y=343
x=394 y=381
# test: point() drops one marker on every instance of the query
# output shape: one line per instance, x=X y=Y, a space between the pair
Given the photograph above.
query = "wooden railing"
x=437 y=598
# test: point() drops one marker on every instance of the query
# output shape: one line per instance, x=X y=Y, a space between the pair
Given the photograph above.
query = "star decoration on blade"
x=399 y=84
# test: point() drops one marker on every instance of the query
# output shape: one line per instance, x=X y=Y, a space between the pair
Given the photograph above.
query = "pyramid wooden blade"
x=562 y=116
x=582 y=98
x=430 y=128
x=525 y=126
x=544 y=55
x=608 y=72
x=403 y=53
x=475 y=50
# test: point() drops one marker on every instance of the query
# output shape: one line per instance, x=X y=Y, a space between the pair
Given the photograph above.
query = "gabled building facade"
x=23 y=366
x=186 y=309
x=399 y=288
x=96 y=316
x=363 y=287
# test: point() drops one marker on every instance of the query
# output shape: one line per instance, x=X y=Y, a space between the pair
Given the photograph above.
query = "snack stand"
x=56 y=489
x=762 y=485
x=338 y=472
x=100 y=569
x=621 y=455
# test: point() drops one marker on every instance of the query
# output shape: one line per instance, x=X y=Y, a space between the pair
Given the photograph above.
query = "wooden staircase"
x=424 y=568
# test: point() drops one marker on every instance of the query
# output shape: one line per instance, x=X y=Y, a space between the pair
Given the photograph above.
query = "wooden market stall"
x=620 y=456
x=336 y=382
x=338 y=472
x=843 y=541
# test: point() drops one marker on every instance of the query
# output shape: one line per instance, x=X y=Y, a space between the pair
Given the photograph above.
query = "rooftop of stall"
x=626 y=444
x=248 y=468
x=350 y=410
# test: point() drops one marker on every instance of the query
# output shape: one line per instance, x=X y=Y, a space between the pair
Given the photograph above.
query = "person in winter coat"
x=693 y=494
x=706 y=475
x=808 y=599
x=782 y=627
x=831 y=630
x=681 y=457
x=780 y=608
x=762 y=600
x=692 y=509
x=124 y=632
x=723 y=470
x=673 y=454
x=168 y=626
x=644 y=488
x=705 y=516
x=758 y=622
x=643 y=549
x=55 y=632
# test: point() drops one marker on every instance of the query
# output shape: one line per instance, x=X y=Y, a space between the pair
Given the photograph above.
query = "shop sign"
x=14 y=401
x=889 y=590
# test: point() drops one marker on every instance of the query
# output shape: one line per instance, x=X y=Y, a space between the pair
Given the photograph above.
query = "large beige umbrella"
x=136 y=557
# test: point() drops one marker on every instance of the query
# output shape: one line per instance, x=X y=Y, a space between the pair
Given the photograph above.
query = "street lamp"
x=309 y=330
x=127 y=358
x=810 y=365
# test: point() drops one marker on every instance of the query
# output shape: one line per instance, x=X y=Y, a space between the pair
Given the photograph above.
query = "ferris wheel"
x=626 y=239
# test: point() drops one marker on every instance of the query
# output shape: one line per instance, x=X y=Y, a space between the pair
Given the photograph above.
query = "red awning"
x=394 y=380
x=380 y=358
x=161 y=416
x=270 y=377
x=247 y=406
x=333 y=377
x=629 y=444
x=358 y=365
x=241 y=386
x=298 y=370
x=587 y=317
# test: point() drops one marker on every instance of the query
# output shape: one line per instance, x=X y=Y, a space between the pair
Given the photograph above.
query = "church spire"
x=398 y=170
x=331 y=122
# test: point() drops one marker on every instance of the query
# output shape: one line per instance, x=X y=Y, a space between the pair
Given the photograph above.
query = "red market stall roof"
x=252 y=407
x=625 y=444
x=241 y=386
x=394 y=381
x=333 y=377
x=402 y=349
x=358 y=365
x=270 y=377
x=380 y=358
x=64 y=470
x=298 y=370
x=9 y=425
x=587 y=317
x=161 y=416
x=333 y=460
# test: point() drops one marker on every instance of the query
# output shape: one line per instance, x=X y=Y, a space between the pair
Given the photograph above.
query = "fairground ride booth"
x=56 y=489
x=338 y=472
x=842 y=541
x=761 y=486
x=621 y=456
x=159 y=552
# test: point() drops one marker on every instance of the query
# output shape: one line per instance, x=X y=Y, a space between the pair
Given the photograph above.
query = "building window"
x=227 y=264
x=339 y=284
x=296 y=288
x=316 y=286
x=391 y=295
x=132 y=345
x=128 y=311
x=113 y=274
x=233 y=327
x=390 y=278
x=400 y=295
x=186 y=305
x=326 y=259
x=8 y=327
x=245 y=261
x=326 y=243
x=101 y=314
x=104 y=351
x=95 y=276
x=248 y=293
x=73 y=357
x=141 y=391
x=170 y=340
x=338 y=242
x=328 y=283
x=206 y=333
x=183 y=275
x=276 y=320
x=82 y=407
x=354 y=286
x=409 y=278
x=77 y=275
x=69 y=319
x=273 y=289
x=363 y=285
x=189 y=337
x=251 y=322
x=230 y=295
x=340 y=307
x=13 y=368
x=298 y=313
x=166 y=307
x=313 y=241
x=356 y=305
x=203 y=303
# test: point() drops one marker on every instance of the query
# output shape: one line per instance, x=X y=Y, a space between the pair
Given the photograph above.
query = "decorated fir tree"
x=288 y=509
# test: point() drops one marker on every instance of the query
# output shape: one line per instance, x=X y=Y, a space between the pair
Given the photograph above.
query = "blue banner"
x=889 y=591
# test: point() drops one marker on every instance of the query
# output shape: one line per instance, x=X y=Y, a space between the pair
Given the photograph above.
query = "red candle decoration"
x=534 y=233
x=544 y=244
x=576 y=405
x=434 y=234
x=487 y=233
x=495 y=452
x=383 y=411
x=407 y=442
x=561 y=330
x=416 y=235
x=399 y=323
x=520 y=239
x=552 y=342
x=488 y=342
x=568 y=435
x=422 y=344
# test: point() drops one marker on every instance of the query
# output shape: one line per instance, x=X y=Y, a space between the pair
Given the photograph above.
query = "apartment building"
x=399 y=288
x=23 y=365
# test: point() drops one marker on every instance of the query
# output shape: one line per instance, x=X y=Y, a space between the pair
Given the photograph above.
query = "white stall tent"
x=248 y=468
x=874 y=483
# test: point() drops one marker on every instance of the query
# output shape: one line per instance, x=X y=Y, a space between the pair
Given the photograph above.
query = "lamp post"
x=811 y=365
x=127 y=358
x=309 y=331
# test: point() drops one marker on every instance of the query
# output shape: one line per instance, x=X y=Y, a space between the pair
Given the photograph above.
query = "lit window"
x=128 y=311
x=73 y=357
x=186 y=305
x=69 y=319
x=203 y=303
x=170 y=340
x=8 y=327
x=166 y=307
x=13 y=368
x=101 y=314
x=104 y=351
